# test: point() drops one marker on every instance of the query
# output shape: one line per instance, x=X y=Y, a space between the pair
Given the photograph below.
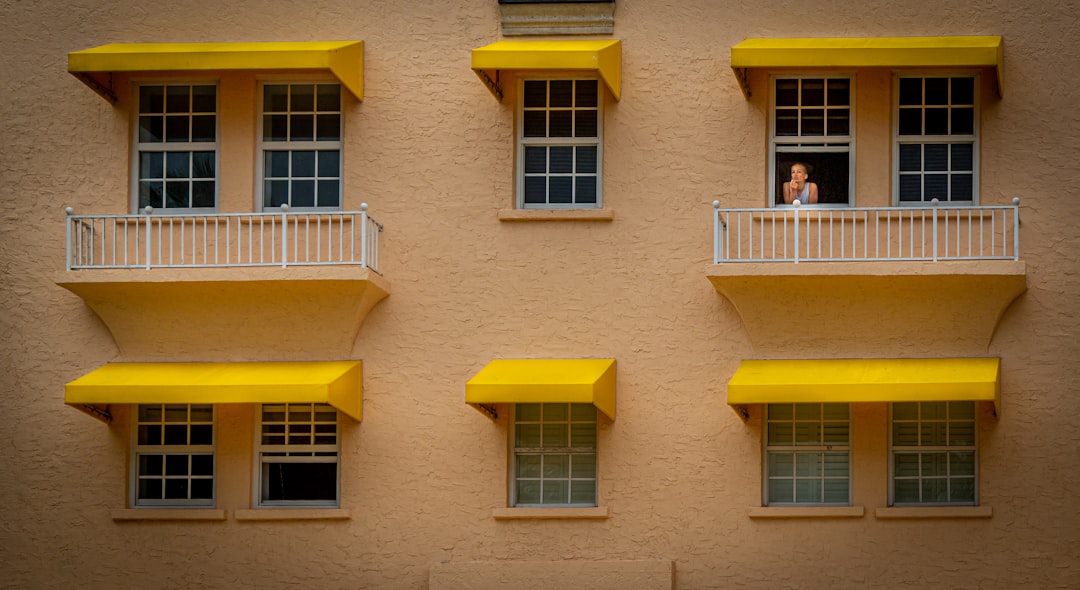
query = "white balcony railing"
x=806 y=234
x=222 y=239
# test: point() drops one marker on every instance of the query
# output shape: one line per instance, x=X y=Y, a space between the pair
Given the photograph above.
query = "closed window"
x=808 y=454
x=298 y=455
x=934 y=457
x=176 y=147
x=554 y=455
x=812 y=123
x=936 y=139
x=173 y=455
x=559 y=146
x=300 y=140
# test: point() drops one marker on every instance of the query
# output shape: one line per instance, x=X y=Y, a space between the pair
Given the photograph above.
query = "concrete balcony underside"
x=235 y=314
x=857 y=309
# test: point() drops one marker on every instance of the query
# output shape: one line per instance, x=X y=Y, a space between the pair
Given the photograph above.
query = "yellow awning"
x=345 y=59
x=521 y=381
x=338 y=383
x=865 y=380
x=602 y=56
x=860 y=52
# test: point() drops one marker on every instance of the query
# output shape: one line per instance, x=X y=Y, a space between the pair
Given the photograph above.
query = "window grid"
x=174 y=455
x=936 y=139
x=554 y=455
x=807 y=455
x=812 y=123
x=301 y=145
x=934 y=454
x=298 y=451
x=176 y=146
x=560 y=144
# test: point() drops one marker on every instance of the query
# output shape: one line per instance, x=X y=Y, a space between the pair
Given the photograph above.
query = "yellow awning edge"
x=972 y=51
x=95 y=66
x=866 y=380
x=601 y=56
x=520 y=381
x=338 y=383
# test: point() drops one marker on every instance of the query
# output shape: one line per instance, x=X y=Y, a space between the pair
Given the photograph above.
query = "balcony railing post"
x=68 y=235
x=284 y=236
x=363 y=235
x=934 y=252
x=796 y=203
x=1016 y=228
x=716 y=232
x=148 y=210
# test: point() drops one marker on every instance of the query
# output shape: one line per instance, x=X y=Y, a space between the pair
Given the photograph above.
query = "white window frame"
x=922 y=450
x=814 y=144
x=138 y=147
x=295 y=453
x=821 y=447
x=138 y=450
x=523 y=142
x=932 y=139
x=290 y=146
x=514 y=451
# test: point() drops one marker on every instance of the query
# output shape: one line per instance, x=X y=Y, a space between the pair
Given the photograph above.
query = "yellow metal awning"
x=865 y=380
x=601 y=56
x=521 y=381
x=862 y=52
x=344 y=59
x=338 y=383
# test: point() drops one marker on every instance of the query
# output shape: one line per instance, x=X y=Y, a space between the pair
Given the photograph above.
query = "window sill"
x=807 y=512
x=263 y=514
x=556 y=214
x=134 y=514
x=935 y=512
x=600 y=512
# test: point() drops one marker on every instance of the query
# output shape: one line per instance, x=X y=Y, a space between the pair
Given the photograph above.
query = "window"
x=812 y=123
x=936 y=139
x=554 y=455
x=807 y=454
x=933 y=454
x=174 y=455
x=298 y=455
x=176 y=147
x=301 y=145
x=559 y=151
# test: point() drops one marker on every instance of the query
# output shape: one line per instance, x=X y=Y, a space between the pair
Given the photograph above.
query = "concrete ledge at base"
x=935 y=512
x=265 y=514
x=190 y=514
x=807 y=512
x=537 y=575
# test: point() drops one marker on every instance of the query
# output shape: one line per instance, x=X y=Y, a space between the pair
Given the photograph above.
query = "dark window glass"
x=176 y=489
x=150 y=194
x=586 y=189
x=963 y=121
x=176 y=195
x=151 y=99
x=937 y=91
x=177 y=165
x=299 y=481
x=562 y=94
x=535 y=189
x=151 y=129
x=787 y=122
x=202 y=165
x=936 y=186
x=328 y=97
x=813 y=92
x=276 y=193
x=303 y=164
x=936 y=156
x=535 y=94
x=561 y=124
x=962 y=157
x=911 y=91
x=839 y=122
x=303 y=193
x=276 y=98
x=535 y=160
x=910 y=122
x=302 y=97
x=561 y=189
x=328 y=127
x=177 y=128
x=937 y=121
x=329 y=196
x=203 y=128
x=910 y=157
x=962 y=189
x=562 y=160
x=813 y=122
x=276 y=164
x=585 y=124
x=586 y=160
x=302 y=127
x=587 y=94
x=963 y=91
x=910 y=187
x=535 y=124
x=177 y=99
x=329 y=163
x=839 y=92
x=276 y=127
x=202 y=194
x=203 y=99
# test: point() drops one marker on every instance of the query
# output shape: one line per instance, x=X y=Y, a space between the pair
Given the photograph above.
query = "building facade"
x=518 y=295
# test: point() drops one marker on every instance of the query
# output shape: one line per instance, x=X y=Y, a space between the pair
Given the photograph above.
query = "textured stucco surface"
x=430 y=150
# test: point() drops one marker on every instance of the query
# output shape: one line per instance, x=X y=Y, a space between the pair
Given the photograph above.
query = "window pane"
x=528 y=465
x=586 y=160
x=839 y=122
x=562 y=160
x=561 y=93
x=328 y=97
x=781 y=464
x=906 y=465
x=328 y=127
x=151 y=465
x=905 y=411
x=535 y=160
x=176 y=128
x=911 y=91
x=836 y=465
x=299 y=481
x=555 y=435
x=839 y=90
x=935 y=186
x=787 y=122
x=836 y=491
x=555 y=411
x=807 y=411
x=813 y=122
x=905 y=434
x=961 y=433
x=583 y=465
x=561 y=124
x=932 y=434
x=781 y=491
x=813 y=92
x=535 y=189
x=276 y=164
x=303 y=193
x=202 y=489
x=151 y=194
x=934 y=465
x=556 y=492
x=275 y=127
x=910 y=188
x=787 y=93
x=556 y=466
x=961 y=410
x=202 y=165
x=906 y=491
x=962 y=157
x=535 y=94
x=528 y=412
x=583 y=492
x=937 y=156
x=807 y=464
x=303 y=97
x=962 y=463
x=149 y=489
x=202 y=464
x=808 y=490
x=935 y=490
x=781 y=433
x=910 y=121
x=586 y=94
x=177 y=99
x=276 y=98
x=177 y=165
x=535 y=124
x=781 y=411
x=202 y=434
x=937 y=121
x=962 y=489
x=561 y=190
x=528 y=491
x=275 y=193
x=329 y=193
x=151 y=129
x=303 y=164
x=963 y=121
x=585 y=187
x=176 y=434
x=302 y=127
x=203 y=128
x=585 y=124
x=583 y=436
x=528 y=436
x=176 y=465
x=937 y=91
x=963 y=91
x=151 y=99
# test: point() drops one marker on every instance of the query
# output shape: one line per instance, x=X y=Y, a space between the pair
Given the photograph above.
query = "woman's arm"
x=789 y=195
x=813 y=193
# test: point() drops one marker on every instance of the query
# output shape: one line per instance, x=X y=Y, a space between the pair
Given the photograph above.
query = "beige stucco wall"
x=430 y=150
